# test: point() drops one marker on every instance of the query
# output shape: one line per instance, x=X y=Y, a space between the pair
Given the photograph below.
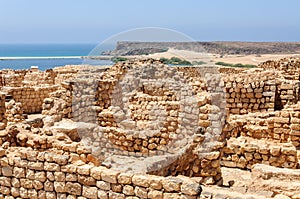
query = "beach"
x=52 y=57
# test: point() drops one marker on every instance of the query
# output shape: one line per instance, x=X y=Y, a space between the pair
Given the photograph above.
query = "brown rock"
x=128 y=190
x=140 y=192
x=90 y=192
x=60 y=187
x=73 y=188
x=172 y=184
x=155 y=194
x=141 y=180
x=109 y=175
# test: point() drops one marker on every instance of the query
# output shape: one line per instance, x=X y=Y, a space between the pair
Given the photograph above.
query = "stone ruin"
x=142 y=129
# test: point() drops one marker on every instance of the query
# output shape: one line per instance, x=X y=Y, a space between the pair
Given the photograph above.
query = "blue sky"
x=91 y=21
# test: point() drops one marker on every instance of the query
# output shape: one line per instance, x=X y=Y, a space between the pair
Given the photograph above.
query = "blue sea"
x=46 y=56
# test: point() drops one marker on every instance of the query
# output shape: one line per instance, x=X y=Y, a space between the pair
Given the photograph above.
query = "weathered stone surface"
x=84 y=169
x=128 y=190
x=125 y=178
x=7 y=171
x=141 y=192
x=89 y=192
x=43 y=156
x=109 y=175
x=102 y=194
x=73 y=188
x=103 y=185
x=19 y=172
x=155 y=194
x=172 y=184
x=141 y=180
x=96 y=173
x=190 y=188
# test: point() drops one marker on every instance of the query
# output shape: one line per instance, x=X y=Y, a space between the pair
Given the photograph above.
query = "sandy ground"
x=251 y=59
x=207 y=57
x=182 y=54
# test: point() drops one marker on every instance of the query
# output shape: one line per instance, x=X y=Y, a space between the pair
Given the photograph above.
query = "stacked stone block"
x=265 y=130
x=59 y=102
x=100 y=95
x=245 y=152
x=289 y=67
x=35 y=78
x=12 y=78
x=14 y=112
x=31 y=98
x=3 y=120
x=250 y=92
x=34 y=174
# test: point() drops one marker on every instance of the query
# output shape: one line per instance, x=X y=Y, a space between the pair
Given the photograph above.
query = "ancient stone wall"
x=269 y=138
x=289 y=67
x=280 y=126
x=250 y=91
x=287 y=93
x=3 y=120
x=64 y=74
x=141 y=129
x=269 y=133
x=28 y=173
x=59 y=102
x=31 y=98
x=18 y=78
x=231 y=70
x=245 y=152
x=97 y=97
x=12 y=78
x=287 y=125
x=14 y=112
x=35 y=78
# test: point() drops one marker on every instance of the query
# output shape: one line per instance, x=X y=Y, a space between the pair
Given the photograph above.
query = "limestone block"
x=155 y=194
x=73 y=188
x=128 y=190
x=103 y=185
x=60 y=187
x=171 y=184
x=109 y=175
x=90 y=192
x=141 y=192
x=141 y=180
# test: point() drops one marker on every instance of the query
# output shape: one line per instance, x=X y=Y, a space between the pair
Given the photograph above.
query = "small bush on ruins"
x=175 y=61
x=118 y=59
x=239 y=65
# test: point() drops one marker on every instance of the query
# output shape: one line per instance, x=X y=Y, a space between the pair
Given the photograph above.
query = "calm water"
x=42 y=55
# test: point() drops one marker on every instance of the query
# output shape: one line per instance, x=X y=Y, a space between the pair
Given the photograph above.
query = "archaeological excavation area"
x=143 y=129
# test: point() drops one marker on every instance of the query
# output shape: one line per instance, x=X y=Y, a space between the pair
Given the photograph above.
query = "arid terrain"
x=145 y=129
x=213 y=58
x=252 y=53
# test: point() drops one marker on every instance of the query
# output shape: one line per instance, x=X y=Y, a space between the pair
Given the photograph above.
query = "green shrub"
x=175 y=61
x=165 y=60
x=184 y=62
x=224 y=64
x=198 y=62
x=239 y=65
x=118 y=59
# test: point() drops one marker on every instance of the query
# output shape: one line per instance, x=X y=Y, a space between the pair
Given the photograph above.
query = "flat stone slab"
x=262 y=170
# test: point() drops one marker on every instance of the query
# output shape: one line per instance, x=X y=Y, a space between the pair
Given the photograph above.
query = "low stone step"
x=244 y=152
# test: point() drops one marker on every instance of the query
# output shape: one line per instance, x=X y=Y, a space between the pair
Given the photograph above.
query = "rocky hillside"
x=223 y=48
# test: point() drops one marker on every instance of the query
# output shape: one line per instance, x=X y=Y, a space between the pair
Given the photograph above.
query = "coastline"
x=48 y=57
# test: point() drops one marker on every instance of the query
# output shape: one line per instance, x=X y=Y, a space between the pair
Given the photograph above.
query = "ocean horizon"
x=45 y=56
